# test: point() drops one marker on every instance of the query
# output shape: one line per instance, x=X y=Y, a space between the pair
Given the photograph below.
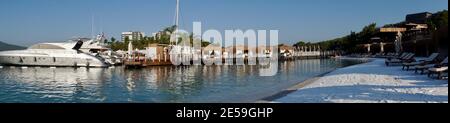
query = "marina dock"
x=143 y=60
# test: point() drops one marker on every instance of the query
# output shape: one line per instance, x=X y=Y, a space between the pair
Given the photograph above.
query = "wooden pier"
x=138 y=60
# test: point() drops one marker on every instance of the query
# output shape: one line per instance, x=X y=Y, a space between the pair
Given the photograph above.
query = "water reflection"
x=241 y=83
x=42 y=83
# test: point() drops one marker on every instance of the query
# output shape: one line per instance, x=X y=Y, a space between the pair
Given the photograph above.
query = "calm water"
x=156 y=84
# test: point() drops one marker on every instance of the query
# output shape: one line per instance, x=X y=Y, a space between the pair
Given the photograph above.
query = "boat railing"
x=51 y=51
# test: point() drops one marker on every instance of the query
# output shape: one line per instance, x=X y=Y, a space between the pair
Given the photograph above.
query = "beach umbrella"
x=398 y=42
x=130 y=48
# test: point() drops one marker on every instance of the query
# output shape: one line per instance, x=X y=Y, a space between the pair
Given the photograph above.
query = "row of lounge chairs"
x=404 y=57
x=431 y=64
x=370 y=55
x=428 y=60
x=433 y=68
x=385 y=55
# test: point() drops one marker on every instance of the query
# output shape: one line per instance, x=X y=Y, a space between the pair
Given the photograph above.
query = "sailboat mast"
x=177 y=15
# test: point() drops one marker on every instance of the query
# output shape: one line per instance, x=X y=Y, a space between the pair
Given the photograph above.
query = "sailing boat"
x=159 y=54
x=180 y=53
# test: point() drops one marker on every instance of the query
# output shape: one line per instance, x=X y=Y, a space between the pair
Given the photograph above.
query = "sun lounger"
x=409 y=57
x=377 y=55
x=384 y=55
x=424 y=67
x=437 y=70
x=391 y=55
x=430 y=59
x=396 y=56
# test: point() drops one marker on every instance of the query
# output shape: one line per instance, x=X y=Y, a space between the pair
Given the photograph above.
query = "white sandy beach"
x=371 y=82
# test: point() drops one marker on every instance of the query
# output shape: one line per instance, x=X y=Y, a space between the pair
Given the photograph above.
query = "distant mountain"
x=5 y=46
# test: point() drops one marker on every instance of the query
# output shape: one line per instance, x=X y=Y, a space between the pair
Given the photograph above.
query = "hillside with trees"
x=438 y=26
x=5 y=46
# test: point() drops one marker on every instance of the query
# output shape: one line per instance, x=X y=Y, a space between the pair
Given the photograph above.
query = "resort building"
x=285 y=51
x=132 y=36
x=264 y=50
x=412 y=35
x=158 y=52
x=418 y=17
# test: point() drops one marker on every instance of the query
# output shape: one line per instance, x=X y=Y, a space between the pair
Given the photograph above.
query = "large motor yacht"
x=52 y=55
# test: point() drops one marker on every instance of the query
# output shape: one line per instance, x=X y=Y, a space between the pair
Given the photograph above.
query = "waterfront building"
x=285 y=51
x=411 y=35
x=418 y=17
x=132 y=35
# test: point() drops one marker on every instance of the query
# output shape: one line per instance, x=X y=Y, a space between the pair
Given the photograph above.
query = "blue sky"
x=25 y=22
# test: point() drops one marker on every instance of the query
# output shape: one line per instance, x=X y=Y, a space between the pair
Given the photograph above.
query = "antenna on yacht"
x=100 y=23
x=92 y=26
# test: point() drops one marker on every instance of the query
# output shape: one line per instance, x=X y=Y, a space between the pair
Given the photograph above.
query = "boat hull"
x=47 y=61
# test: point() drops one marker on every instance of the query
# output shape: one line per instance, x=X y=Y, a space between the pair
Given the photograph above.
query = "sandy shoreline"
x=292 y=89
x=302 y=84
x=370 y=82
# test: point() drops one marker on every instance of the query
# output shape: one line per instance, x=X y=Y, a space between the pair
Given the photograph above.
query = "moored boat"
x=52 y=55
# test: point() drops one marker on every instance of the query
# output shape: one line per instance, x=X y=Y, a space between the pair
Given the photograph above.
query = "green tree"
x=368 y=32
x=349 y=42
x=170 y=29
x=300 y=43
x=113 y=39
x=438 y=20
x=127 y=39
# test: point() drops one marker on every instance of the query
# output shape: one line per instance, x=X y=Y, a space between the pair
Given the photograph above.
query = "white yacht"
x=52 y=55
x=96 y=47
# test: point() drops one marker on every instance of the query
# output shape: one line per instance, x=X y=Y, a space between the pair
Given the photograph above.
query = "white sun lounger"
x=424 y=67
x=430 y=59
x=439 y=71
